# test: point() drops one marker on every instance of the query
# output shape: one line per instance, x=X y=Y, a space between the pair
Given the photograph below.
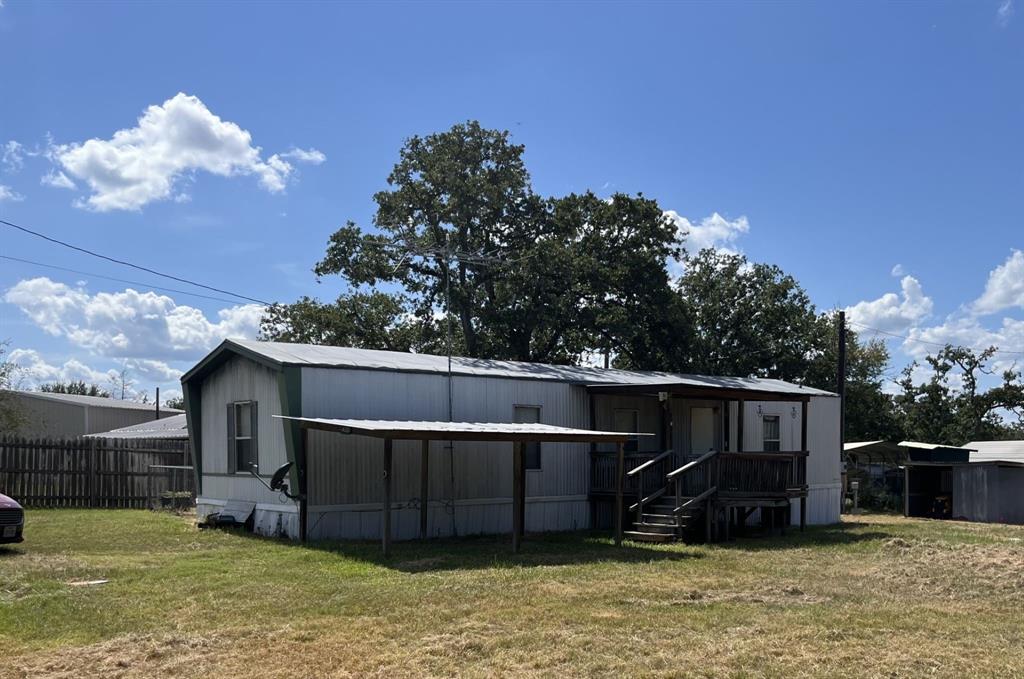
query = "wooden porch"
x=709 y=498
x=679 y=495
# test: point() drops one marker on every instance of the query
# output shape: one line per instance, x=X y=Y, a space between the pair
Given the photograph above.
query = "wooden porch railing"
x=651 y=466
x=602 y=472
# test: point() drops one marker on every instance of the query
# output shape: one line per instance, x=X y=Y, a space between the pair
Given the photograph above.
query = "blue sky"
x=873 y=151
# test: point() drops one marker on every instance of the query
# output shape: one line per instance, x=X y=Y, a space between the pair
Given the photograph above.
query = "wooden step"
x=641 y=536
x=654 y=528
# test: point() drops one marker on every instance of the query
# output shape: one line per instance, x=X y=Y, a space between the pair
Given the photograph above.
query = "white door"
x=702 y=430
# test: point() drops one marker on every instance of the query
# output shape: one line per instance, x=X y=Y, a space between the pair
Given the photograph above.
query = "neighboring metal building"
x=949 y=482
x=997 y=451
x=234 y=394
x=48 y=415
x=174 y=427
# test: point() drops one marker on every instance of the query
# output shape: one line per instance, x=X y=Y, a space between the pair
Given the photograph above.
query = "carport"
x=426 y=431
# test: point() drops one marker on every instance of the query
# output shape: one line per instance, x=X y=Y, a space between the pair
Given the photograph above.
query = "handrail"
x=645 y=465
x=690 y=465
x=653 y=496
x=694 y=500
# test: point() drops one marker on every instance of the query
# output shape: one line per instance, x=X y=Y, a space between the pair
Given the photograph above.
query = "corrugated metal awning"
x=930 y=446
x=462 y=431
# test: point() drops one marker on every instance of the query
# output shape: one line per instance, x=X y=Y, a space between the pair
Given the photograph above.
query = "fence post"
x=92 y=473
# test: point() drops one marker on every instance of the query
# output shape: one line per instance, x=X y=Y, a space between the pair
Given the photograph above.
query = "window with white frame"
x=772 y=434
x=531 y=449
x=242 y=437
x=627 y=420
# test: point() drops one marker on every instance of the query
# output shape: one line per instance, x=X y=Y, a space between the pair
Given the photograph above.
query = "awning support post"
x=620 y=474
x=385 y=530
x=803 y=446
x=424 y=487
x=518 y=495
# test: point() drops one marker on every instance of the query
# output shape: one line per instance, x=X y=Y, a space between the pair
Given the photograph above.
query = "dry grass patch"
x=877 y=596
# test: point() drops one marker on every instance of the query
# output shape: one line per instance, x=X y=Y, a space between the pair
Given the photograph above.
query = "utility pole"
x=841 y=376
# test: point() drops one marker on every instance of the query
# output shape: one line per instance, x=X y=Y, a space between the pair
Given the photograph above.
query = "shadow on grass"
x=477 y=552
x=9 y=550
x=845 y=533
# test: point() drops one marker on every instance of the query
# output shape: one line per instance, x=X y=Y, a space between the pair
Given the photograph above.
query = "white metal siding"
x=240 y=379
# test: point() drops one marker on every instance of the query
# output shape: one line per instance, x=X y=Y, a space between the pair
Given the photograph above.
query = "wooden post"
x=385 y=531
x=620 y=473
x=906 y=491
x=517 y=495
x=92 y=473
x=522 y=492
x=424 y=487
x=739 y=426
x=301 y=459
x=796 y=463
x=707 y=521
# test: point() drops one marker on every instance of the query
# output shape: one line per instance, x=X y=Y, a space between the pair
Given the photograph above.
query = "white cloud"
x=9 y=194
x=711 y=232
x=1005 y=286
x=13 y=157
x=57 y=180
x=898 y=271
x=891 y=312
x=155 y=371
x=1004 y=12
x=310 y=155
x=129 y=323
x=37 y=370
x=968 y=332
x=143 y=164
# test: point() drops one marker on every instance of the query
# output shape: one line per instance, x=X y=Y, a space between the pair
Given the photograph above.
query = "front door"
x=702 y=430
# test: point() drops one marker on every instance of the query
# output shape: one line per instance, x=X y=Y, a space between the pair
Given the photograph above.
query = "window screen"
x=242 y=436
x=531 y=449
x=772 y=434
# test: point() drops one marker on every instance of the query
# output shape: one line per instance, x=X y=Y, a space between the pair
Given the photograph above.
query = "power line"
x=119 y=280
x=134 y=266
x=914 y=339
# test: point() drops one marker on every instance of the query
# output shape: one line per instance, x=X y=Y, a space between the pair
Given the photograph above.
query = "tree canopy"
x=951 y=406
x=527 y=278
x=460 y=239
x=78 y=387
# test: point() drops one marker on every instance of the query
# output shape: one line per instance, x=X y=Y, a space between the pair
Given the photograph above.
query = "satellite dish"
x=277 y=480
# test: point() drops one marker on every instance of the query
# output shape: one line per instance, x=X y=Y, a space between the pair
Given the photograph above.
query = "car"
x=12 y=520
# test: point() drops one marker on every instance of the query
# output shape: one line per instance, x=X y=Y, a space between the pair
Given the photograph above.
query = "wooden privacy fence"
x=88 y=472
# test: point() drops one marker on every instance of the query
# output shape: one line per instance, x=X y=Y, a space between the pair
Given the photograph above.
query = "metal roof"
x=93 y=401
x=173 y=427
x=930 y=446
x=996 y=451
x=461 y=431
x=312 y=355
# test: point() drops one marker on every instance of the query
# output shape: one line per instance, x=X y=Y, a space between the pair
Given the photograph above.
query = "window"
x=531 y=449
x=772 y=434
x=242 y=454
x=628 y=421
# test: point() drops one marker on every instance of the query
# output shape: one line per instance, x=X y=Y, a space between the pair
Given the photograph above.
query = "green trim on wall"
x=289 y=385
x=192 y=395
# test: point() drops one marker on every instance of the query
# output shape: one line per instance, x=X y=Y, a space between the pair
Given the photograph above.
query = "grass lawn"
x=873 y=596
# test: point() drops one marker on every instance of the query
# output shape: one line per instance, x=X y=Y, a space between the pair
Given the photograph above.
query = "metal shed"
x=49 y=415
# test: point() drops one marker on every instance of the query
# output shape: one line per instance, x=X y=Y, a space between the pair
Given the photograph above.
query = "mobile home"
x=254 y=406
